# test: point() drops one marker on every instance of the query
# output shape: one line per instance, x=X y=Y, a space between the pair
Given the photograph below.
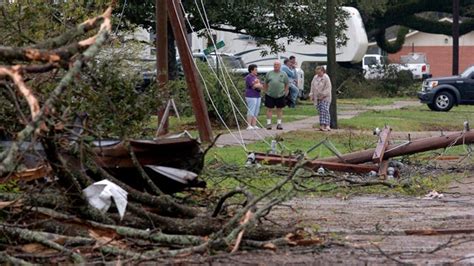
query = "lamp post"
x=331 y=59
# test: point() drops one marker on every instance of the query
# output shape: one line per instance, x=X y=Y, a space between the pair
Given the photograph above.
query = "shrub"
x=391 y=83
x=350 y=82
x=216 y=95
x=107 y=92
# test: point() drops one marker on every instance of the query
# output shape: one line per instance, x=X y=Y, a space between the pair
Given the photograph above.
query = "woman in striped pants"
x=321 y=96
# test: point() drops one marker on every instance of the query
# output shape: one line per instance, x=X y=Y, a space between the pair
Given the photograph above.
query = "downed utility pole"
x=314 y=164
x=192 y=80
x=161 y=39
x=355 y=162
x=411 y=147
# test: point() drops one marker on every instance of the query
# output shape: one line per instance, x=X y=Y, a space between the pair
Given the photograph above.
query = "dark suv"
x=440 y=94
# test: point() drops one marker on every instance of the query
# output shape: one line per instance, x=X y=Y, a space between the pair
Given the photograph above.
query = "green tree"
x=29 y=22
x=378 y=15
x=105 y=89
x=266 y=20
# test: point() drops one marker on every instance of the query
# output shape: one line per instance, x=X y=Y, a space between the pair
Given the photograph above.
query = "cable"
x=225 y=86
x=205 y=19
x=210 y=97
x=121 y=16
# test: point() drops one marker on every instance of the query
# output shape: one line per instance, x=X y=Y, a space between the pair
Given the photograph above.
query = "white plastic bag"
x=100 y=194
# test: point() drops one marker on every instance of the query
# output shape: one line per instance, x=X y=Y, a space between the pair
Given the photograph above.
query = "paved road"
x=250 y=136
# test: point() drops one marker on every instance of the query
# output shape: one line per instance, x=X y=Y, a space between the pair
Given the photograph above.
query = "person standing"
x=321 y=96
x=296 y=91
x=290 y=71
x=252 y=96
x=276 y=89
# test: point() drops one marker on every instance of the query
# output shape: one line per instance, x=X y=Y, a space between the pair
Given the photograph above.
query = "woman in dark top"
x=252 y=96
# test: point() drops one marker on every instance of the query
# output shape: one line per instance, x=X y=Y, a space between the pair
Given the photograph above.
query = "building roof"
x=392 y=32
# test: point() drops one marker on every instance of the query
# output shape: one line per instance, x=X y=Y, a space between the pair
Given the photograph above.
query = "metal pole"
x=194 y=85
x=455 y=37
x=161 y=39
x=331 y=49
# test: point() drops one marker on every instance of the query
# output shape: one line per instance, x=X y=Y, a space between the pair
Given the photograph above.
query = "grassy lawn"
x=411 y=119
x=406 y=119
x=302 y=141
x=303 y=110
x=368 y=102
x=295 y=142
x=234 y=174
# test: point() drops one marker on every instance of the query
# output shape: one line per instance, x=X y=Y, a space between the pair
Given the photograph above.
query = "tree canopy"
x=413 y=14
x=265 y=20
x=269 y=20
x=29 y=22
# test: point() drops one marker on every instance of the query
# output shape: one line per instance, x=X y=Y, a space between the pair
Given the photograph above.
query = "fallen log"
x=412 y=147
x=430 y=232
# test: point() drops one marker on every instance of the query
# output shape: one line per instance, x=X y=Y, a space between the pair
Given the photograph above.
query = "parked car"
x=150 y=76
x=230 y=61
x=441 y=94
x=375 y=66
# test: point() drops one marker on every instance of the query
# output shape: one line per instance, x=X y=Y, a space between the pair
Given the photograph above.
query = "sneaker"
x=269 y=126
x=256 y=127
x=249 y=128
x=279 y=127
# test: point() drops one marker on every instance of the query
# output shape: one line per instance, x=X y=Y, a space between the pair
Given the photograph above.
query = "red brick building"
x=439 y=51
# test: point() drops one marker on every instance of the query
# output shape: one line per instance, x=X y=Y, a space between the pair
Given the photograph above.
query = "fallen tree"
x=51 y=220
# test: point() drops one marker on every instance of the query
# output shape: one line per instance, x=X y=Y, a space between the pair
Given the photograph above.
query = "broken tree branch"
x=8 y=163
x=142 y=172
x=432 y=231
x=42 y=52
x=221 y=201
x=15 y=75
x=31 y=236
x=5 y=258
x=245 y=220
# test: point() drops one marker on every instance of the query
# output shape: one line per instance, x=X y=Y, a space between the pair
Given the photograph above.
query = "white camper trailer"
x=246 y=47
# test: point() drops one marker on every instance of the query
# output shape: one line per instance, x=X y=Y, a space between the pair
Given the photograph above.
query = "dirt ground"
x=363 y=230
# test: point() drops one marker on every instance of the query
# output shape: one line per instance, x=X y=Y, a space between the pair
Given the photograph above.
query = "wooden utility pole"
x=194 y=86
x=161 y=39
x=455 y=37
x=415 y=146
x=331 y=50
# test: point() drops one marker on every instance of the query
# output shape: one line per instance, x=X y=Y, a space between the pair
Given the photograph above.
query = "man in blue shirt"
x=290 y=70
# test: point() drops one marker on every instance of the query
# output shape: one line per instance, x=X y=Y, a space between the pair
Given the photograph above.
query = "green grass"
x=411 y=119
x=307 y=109
x=370 y=101
x=303 y=110
x=224 y=177
x=407 y=119
x=294 y=142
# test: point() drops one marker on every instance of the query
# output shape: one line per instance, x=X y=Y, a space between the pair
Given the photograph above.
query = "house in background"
x=438 y=49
